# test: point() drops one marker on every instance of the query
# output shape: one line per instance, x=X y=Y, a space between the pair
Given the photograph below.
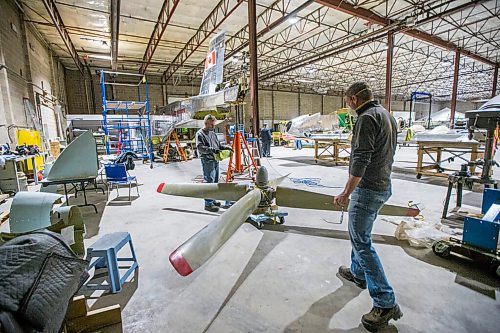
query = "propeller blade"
x=277 y=181
x=221 y=191
x=295 y=198
x=203 y=245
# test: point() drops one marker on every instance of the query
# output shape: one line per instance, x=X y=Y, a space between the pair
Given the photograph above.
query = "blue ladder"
x=103 y=253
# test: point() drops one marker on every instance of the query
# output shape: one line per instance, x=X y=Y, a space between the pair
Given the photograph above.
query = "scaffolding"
x=127 y=124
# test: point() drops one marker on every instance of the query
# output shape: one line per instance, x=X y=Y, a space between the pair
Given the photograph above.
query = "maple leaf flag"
x=210 y=60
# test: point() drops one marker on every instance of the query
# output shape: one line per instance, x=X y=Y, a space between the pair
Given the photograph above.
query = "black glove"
x=228 y=148
x=214 y=150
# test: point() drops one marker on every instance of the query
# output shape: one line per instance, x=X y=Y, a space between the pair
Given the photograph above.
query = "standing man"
x=373 y=145
x=208 y=146
x=266 y=138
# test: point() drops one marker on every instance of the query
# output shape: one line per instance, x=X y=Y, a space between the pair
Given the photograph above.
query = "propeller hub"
x=262 y=177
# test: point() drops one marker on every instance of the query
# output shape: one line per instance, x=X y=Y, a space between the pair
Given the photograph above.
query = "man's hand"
x=228 y=148
x=341 y=200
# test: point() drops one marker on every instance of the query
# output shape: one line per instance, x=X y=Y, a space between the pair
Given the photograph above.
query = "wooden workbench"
x=435 y=150
x=329 y=150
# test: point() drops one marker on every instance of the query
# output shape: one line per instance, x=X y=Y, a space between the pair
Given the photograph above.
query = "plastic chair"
x=116 y=175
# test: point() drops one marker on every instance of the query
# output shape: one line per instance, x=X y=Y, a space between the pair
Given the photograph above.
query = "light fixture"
x=481 y=74
x=410 y=21
x=293 y=20
x=311 y=70
x=373 y=79
x=446 y=62
x=100 y=56
x=234 y=60
x=304 y=81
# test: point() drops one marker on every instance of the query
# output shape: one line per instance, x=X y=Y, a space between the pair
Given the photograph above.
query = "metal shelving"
x=127 y=124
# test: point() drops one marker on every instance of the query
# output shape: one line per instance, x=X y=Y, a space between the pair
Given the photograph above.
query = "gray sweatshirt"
x=207 y=144
x=373 y=145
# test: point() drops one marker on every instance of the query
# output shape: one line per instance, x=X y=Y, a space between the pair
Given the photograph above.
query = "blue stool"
x=103 y=254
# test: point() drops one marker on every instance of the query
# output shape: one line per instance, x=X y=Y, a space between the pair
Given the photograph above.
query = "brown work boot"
x=345 y=272
x=378 y=318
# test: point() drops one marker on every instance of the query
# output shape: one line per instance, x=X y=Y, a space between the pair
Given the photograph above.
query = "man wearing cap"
x=373 y=145
x=266 y=138
x=208 y=147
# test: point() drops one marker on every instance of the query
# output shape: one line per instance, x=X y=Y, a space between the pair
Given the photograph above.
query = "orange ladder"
x=180 y=150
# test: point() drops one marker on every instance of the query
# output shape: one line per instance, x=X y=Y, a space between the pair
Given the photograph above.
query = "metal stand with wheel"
x=480 y=237
x=480 y=240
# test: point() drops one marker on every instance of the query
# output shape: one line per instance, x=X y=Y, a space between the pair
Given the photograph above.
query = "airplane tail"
x=214 y=65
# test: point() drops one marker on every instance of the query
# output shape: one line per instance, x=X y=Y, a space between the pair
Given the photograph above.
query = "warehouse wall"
x=31 y=72
x=286 y=105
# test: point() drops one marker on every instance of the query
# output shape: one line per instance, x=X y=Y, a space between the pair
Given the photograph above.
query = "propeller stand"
x=241 y=159
x=238 y=164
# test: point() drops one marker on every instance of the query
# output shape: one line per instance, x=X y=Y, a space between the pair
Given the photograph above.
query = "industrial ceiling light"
x=293 y=20
x=311 y=70
x=100 y=56
x=234 y=60
x=304 y=81
x=446 y=62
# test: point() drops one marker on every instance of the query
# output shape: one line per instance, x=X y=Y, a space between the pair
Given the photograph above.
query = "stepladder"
x=180 y=151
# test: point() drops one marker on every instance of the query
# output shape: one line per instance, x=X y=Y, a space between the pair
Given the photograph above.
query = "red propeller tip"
x=180 y=264
x=413 y=212
x=160 y=187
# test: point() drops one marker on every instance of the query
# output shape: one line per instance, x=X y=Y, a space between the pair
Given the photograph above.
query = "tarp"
x=444 y=115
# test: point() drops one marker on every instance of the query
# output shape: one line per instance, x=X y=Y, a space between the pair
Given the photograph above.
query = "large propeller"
x=205 y=243
x=202 y=245
x=221 y=191
x=295 y=198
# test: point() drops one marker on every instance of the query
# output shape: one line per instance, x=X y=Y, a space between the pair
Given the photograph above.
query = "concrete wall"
x=286 y=105
x=31 y=72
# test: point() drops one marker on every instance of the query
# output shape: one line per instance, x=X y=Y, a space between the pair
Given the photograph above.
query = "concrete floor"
x=285 y=280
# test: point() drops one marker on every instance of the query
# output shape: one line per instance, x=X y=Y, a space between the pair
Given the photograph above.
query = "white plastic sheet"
x=421 y=233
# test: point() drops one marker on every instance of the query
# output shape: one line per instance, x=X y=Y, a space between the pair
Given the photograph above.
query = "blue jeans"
x=210 y=174
x=298 y=144
x=365 y=263
x=266 y=148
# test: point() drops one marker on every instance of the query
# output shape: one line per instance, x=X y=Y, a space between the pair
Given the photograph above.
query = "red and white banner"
x=210 y=60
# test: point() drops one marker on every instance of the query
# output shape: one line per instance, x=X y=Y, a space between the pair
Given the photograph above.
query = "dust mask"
x=351 y=111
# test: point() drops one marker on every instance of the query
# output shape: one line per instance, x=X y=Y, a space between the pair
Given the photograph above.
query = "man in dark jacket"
x=373 y=145
x=266 y=138
x=208 y=144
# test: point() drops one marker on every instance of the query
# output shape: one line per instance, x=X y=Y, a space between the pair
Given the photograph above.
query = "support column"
x=92 y=91
x=322 y=104
x=454 y=89
x=254 y=75
x=299 y=103
x=164 y=90
x=495 y=78
x=388 y=71
x=272 y=110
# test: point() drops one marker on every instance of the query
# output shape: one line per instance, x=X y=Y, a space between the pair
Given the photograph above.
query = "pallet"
x=79 y=319
x=4 y=197
x=4 y=216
